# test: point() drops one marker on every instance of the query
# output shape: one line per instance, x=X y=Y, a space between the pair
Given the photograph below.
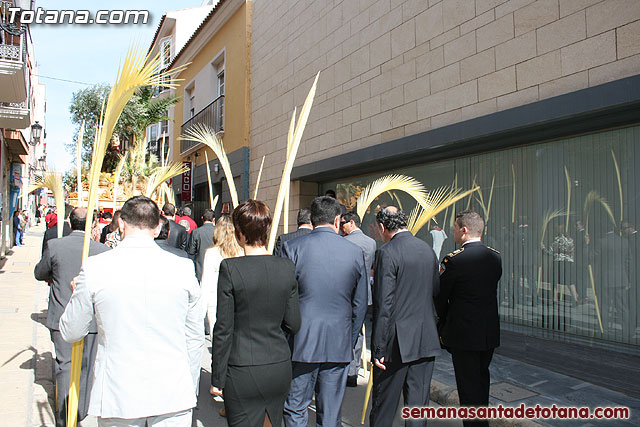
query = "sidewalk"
x=25 y=349
x=27 y=387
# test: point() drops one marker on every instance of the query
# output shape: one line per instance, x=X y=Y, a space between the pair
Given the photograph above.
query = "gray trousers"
x=62 y=375
x=356 y=363
x=329 y=381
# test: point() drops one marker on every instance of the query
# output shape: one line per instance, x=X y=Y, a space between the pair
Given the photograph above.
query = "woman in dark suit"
x=257 y=307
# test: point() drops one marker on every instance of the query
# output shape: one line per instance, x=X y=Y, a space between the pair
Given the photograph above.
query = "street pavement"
x=26 y=367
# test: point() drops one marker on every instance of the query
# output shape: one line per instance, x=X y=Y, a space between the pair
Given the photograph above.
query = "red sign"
x=186 y=184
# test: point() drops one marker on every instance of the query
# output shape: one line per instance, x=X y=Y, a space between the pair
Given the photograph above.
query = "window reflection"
x=564 y=216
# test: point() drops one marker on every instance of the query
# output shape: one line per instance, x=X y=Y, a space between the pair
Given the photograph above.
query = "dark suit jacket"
x=332 y=282
x=178 y=235
x=52 y=233
x=200 y=240
x=368 y=246
x=467 y=305
x=277 y=249
x=257 y=306
x=405 y=281
x=176 y=251
x=60 y=264
x=613 y=259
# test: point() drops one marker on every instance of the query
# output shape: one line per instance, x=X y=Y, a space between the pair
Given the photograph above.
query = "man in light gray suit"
x=350 y=227
x=332 y=282
x=60 y=263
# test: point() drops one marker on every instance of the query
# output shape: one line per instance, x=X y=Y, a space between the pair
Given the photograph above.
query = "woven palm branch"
x=162 y=174
x=547 y=218
x=206 y=162
x=79 y=162
x=566 y=174
x=295 y=137
x=202 y=133
x=436 y=201
x=615 y=163
x=255 y=192
x=592 y=198
x=168 y=192
x=285 y=207
x=486 y=208
x=136 y=70
x=53 y=181
x=116 y=179
x=387 y=183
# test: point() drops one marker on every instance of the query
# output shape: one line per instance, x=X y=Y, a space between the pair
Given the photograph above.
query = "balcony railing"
x=212 y=115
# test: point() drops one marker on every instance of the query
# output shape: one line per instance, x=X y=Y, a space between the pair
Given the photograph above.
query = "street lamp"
x=36 y=133
x=42 y=163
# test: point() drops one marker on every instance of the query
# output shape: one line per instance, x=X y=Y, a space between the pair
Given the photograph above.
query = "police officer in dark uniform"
x=468 y=310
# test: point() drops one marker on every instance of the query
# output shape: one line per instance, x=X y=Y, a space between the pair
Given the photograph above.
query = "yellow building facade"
x=214 y=89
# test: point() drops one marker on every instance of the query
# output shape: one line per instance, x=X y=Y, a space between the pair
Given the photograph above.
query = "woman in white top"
x=225 y=245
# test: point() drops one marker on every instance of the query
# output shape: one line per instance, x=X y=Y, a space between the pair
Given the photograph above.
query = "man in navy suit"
x=332 y=282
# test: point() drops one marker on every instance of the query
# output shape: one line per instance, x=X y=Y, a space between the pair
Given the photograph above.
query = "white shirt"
x=439 y=236
x=148 y=311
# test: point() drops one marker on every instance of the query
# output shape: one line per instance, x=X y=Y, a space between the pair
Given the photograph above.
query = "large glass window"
x=564 y=215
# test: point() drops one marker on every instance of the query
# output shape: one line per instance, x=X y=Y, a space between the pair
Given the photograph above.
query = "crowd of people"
x=285 y=326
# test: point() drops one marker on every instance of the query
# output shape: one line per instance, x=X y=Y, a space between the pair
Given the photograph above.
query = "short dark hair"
x=141 y=212
x=169 y=209
x=106 y=215
x=164 y=231
x=392 y=218
x=324 y=210
x=253 y=219
x=78 y=218
x=304 y=216
x=330 y=193
x=352 y=216
x=472 y=220
x=67 y=210
x=208 y=215
x=186 y=211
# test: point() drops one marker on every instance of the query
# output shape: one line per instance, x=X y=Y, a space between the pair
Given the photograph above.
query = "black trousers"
x=472 y=379
x=413 y=379
x=62 y=375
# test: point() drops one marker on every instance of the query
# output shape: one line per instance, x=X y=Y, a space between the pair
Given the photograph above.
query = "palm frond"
x=116 y=179
x=53 y=181
x=295 y=137
x=546 y=219
x=202 y=133
x=592 y=198
x=137 y=70
x=615 y=163
x=206 y=159
x=436 y=201
x=566 y=174
x=79 y=162
x=169 y=194
x=387 y=183
x=255 y=192
x=162 y=174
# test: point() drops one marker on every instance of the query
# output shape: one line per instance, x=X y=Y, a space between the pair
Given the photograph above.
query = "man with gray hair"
x=404 y=341
x=467 y=309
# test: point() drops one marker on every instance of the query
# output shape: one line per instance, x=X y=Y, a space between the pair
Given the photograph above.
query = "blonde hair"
x=224 y=238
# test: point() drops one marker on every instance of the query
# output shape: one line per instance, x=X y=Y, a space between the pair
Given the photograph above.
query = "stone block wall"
x=391 y=68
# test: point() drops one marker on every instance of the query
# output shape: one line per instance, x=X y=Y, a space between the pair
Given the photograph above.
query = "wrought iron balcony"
x=212 y=115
